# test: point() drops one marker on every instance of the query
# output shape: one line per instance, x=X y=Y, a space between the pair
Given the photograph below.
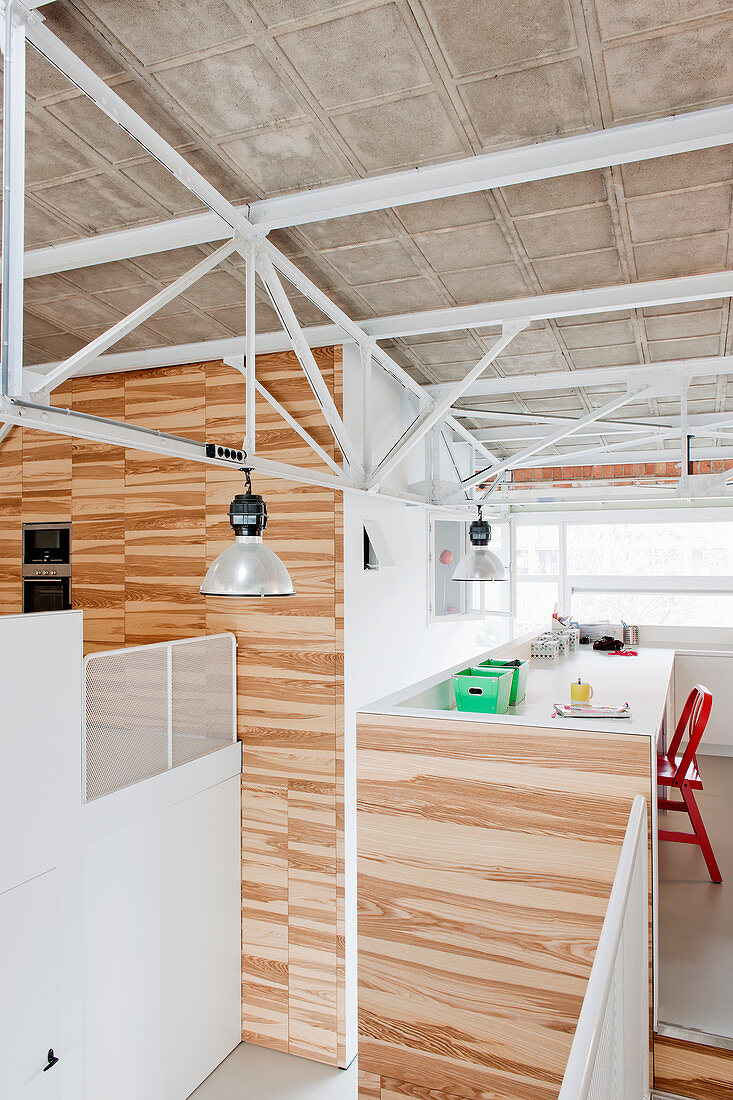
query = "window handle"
x=52 y=1060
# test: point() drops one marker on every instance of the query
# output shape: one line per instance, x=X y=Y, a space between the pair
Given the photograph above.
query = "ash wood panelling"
x=145 y=529
x=98 y=518
x=165 y=510
x=11 y=492
x=486 y=858
x=687 y=1069
x=47 y=470
x=290 y=694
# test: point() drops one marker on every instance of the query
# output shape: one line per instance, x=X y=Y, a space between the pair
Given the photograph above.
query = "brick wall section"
x=623 y=473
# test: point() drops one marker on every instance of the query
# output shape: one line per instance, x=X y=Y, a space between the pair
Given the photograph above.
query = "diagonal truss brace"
x=560 y=433
x=439 y=409
x=105 y=340
x=312 y=371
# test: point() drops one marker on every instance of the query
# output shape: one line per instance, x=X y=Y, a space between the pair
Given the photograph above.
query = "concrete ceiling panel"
x=218 y=288
x=484 y=284
x=352 y=58
x=677 y=173
x=686 y=256
x=99 y=203
x=681 y=325
x=169 y=265
x=618 y=18
x=577 y=230
x=231 y=92
x=168 y=28
x=93 y=127
x=357 y=229
x=694 y=347
x=543 y=196
x=475 y=36
x=103 y=277
x=691 y=68
x=185 y=328
x=656 y=217
x=402 y=295
x=541 y=363
x=532 y=105
x=77 y=312
x=288 y=159
x=42 y=228
x=401 y=133
x=458 y=249
x=162 y=186
x=48 y=155
x=579 y=271
x=370 y=263
x=421 y=217
x=599 y=334
x=618 y=355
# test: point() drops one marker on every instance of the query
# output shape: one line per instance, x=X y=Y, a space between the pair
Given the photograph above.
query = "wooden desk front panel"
x=486 y=859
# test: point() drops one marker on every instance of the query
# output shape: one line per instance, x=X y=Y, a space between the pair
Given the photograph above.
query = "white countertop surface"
x=641 y=681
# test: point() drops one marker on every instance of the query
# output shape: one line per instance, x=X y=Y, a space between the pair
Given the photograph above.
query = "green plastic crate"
x=519 y=683
x=485 y=690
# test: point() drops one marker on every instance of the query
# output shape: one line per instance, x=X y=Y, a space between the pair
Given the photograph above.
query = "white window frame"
x=672 y=583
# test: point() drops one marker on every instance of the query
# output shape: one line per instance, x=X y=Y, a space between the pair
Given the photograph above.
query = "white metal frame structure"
x=609 y=1057
x=24 y=394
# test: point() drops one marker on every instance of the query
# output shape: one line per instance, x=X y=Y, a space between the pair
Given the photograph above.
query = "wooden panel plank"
x=689 y=1069
x=486 y=858
x=11 y=487
x=369 y=1086
x=98 y=518
x=165 y=510
x=47 y=470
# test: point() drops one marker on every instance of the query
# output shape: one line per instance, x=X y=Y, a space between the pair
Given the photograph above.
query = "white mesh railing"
x=152 y=707
x=609 y=1058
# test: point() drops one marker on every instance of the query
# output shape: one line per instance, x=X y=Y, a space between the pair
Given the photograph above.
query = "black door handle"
x=52 y=1060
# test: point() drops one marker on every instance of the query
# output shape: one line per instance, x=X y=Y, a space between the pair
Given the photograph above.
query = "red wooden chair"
x=681 y=772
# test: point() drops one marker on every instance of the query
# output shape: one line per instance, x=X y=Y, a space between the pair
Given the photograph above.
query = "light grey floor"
x=695 y=916
x=252 y=1073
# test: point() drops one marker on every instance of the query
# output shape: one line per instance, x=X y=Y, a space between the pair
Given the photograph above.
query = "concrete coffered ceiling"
x=273 y=96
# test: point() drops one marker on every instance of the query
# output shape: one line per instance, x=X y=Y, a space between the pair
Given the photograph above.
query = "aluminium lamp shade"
x=247 y=567
x=479 y=563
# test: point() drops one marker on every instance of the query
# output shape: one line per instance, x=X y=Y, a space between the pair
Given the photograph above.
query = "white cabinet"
x=29 y=978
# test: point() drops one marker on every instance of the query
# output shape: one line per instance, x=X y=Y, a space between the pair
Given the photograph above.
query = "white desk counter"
x=642 y=681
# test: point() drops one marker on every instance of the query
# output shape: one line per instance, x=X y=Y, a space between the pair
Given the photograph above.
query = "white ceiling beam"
x=514 y=433
x=540 y=307
x=627 y=457
x=543 y=160
x=591 y=377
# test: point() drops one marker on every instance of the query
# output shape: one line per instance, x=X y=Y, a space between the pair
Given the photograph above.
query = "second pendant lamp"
x=247 y=567
x=479 y=563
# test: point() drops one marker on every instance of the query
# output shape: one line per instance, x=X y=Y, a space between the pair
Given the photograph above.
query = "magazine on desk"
x=587 y=710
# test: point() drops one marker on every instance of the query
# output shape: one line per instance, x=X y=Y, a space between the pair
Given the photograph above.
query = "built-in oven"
x=46 y=566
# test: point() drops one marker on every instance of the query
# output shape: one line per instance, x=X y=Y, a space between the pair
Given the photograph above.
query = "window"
x=669 y=572
x=538 y=571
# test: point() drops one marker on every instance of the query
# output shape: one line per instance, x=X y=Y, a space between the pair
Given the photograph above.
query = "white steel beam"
x=544 y=160
x=323 y=455
x=91 y=352
x=250 y=345
x=515 y=461
x=539 y=307
x=591 y=377
x=312 y=371
x=11 y=310
x=435 y=415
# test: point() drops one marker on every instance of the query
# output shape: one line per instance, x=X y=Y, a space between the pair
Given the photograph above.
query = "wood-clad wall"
x=145 y=529
x=486 y=859
x=688 y=1069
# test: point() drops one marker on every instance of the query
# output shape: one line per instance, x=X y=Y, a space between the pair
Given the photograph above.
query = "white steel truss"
x=244 y=229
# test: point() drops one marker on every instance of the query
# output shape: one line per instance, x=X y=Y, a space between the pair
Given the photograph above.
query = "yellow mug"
x=581 y=693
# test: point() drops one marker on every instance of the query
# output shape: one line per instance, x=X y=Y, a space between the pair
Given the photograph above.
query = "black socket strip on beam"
x=230 y=454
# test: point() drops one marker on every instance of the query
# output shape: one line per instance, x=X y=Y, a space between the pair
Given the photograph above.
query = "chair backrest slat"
x=693 y=720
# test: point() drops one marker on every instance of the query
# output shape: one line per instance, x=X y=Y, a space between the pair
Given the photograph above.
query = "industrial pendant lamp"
x=478 y=563
x=248 y=568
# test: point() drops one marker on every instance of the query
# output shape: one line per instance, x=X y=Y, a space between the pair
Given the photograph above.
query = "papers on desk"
x=587 y=710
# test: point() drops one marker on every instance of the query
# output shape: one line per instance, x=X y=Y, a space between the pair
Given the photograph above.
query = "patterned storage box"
x=545 y=647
